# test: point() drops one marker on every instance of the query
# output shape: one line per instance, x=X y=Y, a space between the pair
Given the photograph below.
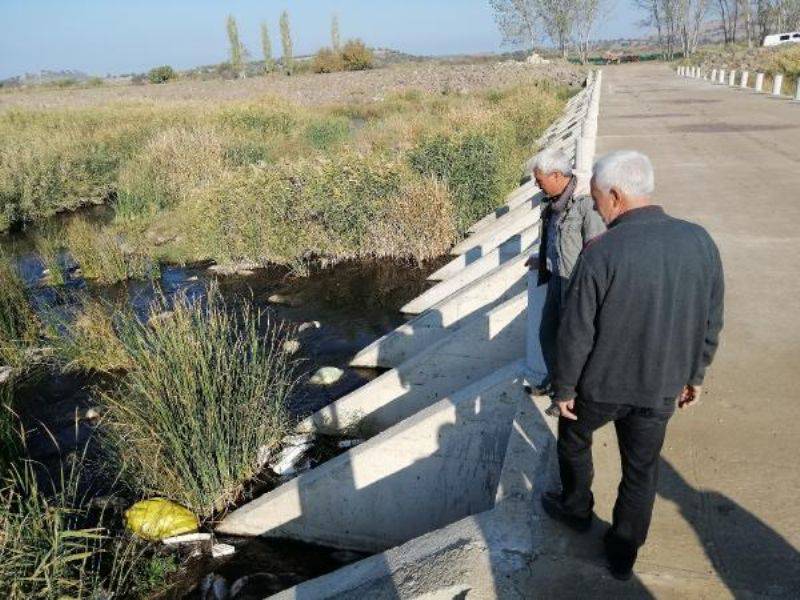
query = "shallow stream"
x=352 y=302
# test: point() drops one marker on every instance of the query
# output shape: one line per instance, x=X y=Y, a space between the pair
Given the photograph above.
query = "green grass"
x=51 y=546
x=205 y=390
x=19 y=327
x=105 y=256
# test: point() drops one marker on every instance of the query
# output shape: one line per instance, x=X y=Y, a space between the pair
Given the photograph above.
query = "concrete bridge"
x=445 y=490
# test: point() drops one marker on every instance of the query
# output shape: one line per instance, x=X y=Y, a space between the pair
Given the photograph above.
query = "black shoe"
x=551 y=502
x=621 y=556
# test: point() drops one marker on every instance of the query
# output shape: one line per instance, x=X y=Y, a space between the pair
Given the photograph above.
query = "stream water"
x=353 y=302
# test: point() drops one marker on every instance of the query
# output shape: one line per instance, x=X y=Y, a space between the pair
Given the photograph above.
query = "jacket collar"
x=645 y=214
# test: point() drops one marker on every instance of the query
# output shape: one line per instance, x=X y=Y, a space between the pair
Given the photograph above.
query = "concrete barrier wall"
x=455 y=448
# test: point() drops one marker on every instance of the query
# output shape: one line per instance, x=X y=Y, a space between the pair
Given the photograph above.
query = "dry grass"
x=269 y=181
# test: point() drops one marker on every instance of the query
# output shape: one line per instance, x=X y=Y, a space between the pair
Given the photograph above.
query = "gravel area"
x=308 y=89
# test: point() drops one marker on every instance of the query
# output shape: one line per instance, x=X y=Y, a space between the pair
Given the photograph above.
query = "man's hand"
x=567 y=408
x=690 y=396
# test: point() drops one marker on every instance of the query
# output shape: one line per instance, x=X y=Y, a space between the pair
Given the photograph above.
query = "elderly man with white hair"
x=568 y=222
x=640 y=326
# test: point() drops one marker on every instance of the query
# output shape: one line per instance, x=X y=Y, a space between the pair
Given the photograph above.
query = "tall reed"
x=19 y=328
x=207 y=387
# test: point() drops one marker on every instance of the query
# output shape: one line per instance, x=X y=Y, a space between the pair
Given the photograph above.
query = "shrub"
x=418 y=222
x=101 y=256
x=48 y=240
x=89 y=341
x=786 y=61
x=161 y=74
x=265 y=120
x=327 y=60
x=325 y=133
x=356 y=56
x=478 y=166
x=205 y=391
x=171 y=165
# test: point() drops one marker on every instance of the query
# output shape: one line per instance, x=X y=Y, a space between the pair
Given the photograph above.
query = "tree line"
x=679 y=24
x=564 y=22
x=353 y=55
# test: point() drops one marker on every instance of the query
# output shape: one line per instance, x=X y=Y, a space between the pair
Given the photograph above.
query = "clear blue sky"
x=118 y=36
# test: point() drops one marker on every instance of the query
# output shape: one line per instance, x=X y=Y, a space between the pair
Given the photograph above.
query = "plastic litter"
x=159 y=518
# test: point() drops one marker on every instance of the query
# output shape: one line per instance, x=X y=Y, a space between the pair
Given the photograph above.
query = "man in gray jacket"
x=568 y=222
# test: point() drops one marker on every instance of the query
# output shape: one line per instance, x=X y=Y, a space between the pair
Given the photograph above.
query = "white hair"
x=551 y=160
x=629 y=171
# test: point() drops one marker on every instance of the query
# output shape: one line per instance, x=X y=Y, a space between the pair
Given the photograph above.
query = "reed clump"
x=206 y=388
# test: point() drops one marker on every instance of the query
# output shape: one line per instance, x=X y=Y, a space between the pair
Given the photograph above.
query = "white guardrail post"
x=745 y=77
x=797 y=90
x=732 y=78
x=713 y=75
x=721 y=79
x=777 y=84
x=759 y=87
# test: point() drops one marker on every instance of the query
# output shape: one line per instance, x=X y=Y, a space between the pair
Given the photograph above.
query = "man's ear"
x=616 y=197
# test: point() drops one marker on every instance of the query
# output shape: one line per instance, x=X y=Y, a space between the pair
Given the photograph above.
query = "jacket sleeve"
x=577 y=330
x=592 y=222
x=714 y=322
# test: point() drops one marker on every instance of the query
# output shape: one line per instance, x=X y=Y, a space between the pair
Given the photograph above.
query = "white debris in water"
x=91 y=414
x=189 y=538
x=263 y=455
x=309 y=325
x=222 y=550
x=240 y=268
x=291 y=346
x=326 y=376
x=350 y=443
x=297 y=439
x=288 y=459
x=284 y=299
x=5 y=373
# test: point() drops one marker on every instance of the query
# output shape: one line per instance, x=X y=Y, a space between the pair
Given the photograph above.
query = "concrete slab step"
x=522 y=194
x=436 y=467
x=461 y=358
x=474 y=300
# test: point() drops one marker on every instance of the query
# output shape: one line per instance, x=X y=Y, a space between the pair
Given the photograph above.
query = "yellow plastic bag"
x=159 y=518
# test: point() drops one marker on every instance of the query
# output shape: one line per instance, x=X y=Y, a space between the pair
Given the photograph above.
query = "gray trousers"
x=551 y=317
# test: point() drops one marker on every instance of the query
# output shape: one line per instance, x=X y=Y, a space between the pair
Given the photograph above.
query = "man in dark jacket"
x=641 y=325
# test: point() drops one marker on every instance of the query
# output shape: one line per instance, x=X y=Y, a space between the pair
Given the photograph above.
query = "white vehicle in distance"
x=777 y=39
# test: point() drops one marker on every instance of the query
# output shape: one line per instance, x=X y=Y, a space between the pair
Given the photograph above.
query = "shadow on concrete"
x=747 y=554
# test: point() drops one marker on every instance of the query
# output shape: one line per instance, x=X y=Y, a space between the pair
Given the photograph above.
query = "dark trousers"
x=551 y=317
x=640 y=433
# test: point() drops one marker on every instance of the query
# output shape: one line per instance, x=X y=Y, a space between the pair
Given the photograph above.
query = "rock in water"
x=326 y=376
x=309 y=325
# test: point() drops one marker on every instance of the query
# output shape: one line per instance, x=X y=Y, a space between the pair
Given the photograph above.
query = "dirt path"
x=727 y=520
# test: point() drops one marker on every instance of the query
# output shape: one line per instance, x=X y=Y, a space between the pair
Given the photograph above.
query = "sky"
x=122 y=36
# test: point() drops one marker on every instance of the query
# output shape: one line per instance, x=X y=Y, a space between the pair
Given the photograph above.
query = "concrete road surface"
x=727 y=518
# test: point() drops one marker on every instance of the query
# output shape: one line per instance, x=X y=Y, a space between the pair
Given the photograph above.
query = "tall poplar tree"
x=266 y=48
x=286 y=43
